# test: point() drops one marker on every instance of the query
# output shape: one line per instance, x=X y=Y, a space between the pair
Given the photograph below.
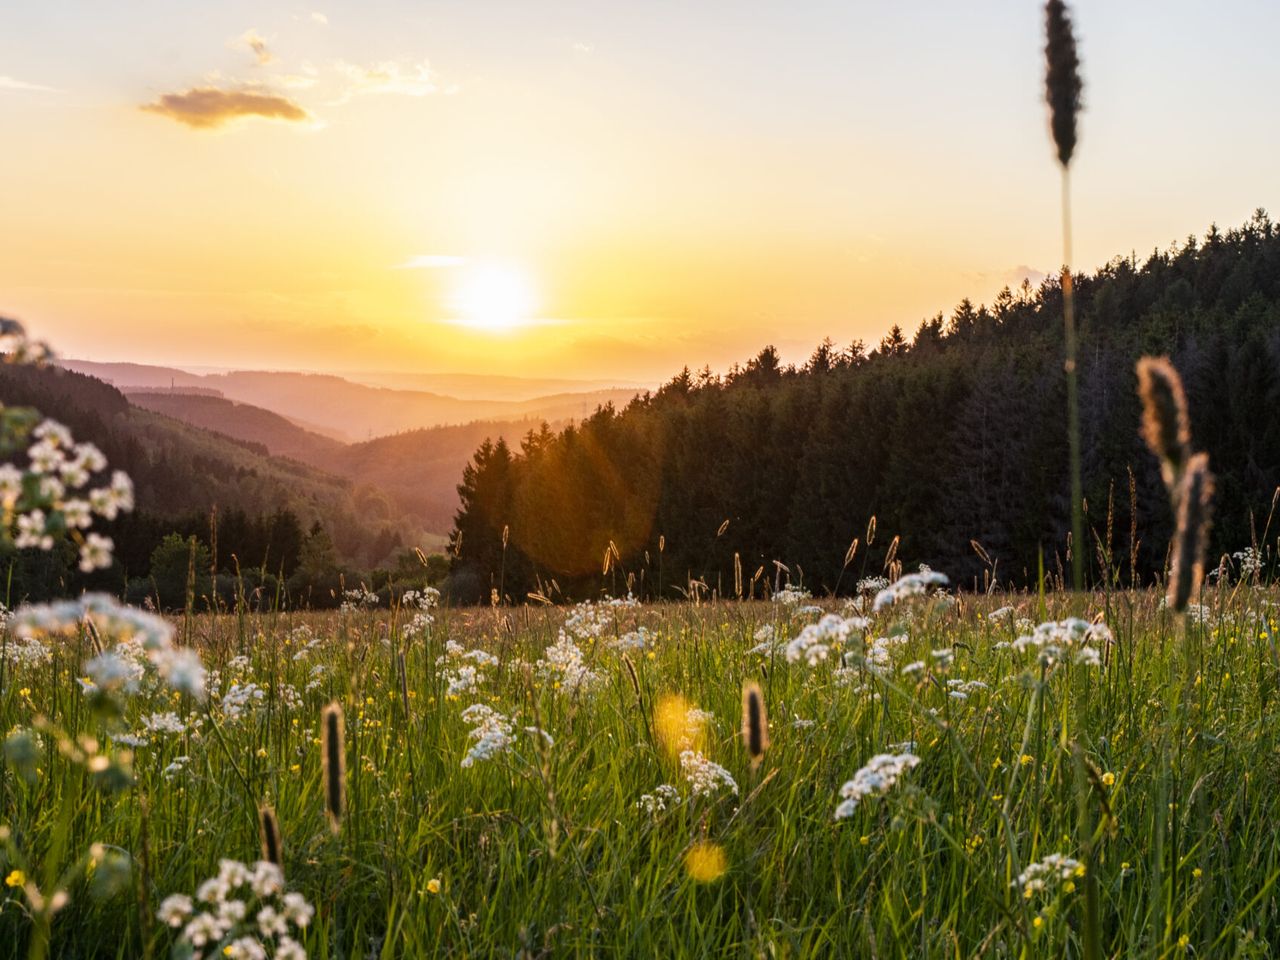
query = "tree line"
x=947 y=448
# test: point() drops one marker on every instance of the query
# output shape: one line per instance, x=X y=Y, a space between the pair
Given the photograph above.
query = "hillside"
x=957 y=435
x=182 y=472
x=419 y=470
x=351 y=411
x=242 y=421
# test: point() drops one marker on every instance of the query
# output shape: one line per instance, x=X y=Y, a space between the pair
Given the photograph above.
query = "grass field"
x=1154 y=771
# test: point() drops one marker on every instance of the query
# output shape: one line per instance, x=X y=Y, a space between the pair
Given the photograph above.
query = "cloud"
x=256 y=44
x=432 y=261
x=10 y=83
x=320 y=18
x=210 y=107
x=388 y=76
x=580 y=47
x=1012 y=277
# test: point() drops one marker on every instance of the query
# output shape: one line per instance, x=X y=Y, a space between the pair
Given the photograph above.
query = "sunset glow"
x=493 y=296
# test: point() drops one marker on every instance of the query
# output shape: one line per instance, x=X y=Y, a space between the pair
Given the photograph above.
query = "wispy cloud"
x=209 y=107
x=320 y=18
x=388 y=76
x=580 y=47
x=12 y=83
x=256 y=44
x=431 y=261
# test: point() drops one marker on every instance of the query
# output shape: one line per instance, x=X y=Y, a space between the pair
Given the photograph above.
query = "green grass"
x=1159 y=772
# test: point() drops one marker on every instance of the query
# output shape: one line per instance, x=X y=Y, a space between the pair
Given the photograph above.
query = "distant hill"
x=419 y=470
x=179 y=469
x=355 y=411
x=279 y=435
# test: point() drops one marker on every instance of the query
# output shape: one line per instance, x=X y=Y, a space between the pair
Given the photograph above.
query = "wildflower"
x=16 y=878
x=174 y=910
x=1108 y=779
x=657 y=802
x=491 y=732
x=705 y=862
x=1055 y=867
x=705 y=777
x=910 y=585
x=433 y=886
x=815 y=641
x=678 y=724
x=875 y=779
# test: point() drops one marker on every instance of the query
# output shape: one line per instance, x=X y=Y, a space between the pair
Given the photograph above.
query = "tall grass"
x=1153 y=771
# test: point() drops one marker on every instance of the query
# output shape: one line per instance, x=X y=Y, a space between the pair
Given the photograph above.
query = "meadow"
x=539 y=782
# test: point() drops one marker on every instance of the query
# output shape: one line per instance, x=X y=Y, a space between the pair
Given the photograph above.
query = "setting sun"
x=493 y=296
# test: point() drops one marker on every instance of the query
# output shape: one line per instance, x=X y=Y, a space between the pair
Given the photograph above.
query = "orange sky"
x=586 y=190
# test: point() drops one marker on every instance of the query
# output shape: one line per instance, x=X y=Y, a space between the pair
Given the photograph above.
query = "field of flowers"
x=936 y=776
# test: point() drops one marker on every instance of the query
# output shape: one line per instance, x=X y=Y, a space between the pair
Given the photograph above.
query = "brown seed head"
x=1165 y=424
x=1063 y=86
x=755 y=723
x=333 y=762
x=1191 y=539
x=269 y=833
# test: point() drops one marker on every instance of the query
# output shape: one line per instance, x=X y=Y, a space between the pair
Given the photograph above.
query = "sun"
x=497 y=297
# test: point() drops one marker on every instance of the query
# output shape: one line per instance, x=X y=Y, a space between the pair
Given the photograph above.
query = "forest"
x=945 y=449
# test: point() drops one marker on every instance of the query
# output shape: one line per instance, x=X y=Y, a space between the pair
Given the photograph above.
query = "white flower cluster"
x=657 y=802
x=490 y=730
x=241 y=699
x=792 y=596
x=765 y=643
x=874 y=780
x=17 y=347
x=706 y=778
x=589 y=621
x=247 y=912
x=1071 y=639
x=143 y=642
x=637 y=639
x=814 y=642
x=563 y=664
x=49 y=496
x=872 y=584
x=425 y=599
x=359 y=598
x=958 y=689
x=1250 y=561
x=464 y=668
x=1054 y=867
x=911 y=585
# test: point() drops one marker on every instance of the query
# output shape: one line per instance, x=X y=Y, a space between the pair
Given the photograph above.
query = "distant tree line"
x=948 y=448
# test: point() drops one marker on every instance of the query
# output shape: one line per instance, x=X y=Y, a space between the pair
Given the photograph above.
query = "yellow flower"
x=1183 y=941
x=16 y=879
x=433 y=885
x=262 y=752
x=705 y=862
x=24 y=693
x=1038 y=922
x=1197 y=873
x=1026 y=758
x=1108 y=779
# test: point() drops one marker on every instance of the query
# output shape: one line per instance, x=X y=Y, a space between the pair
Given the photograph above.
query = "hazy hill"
x=179 y=469
x=419 y=470
x=279 y=435
x=356 y=411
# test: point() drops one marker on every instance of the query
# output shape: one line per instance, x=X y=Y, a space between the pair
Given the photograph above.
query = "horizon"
x=585 y=194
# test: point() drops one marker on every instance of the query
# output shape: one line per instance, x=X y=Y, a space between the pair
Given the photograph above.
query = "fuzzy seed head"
x=333 y=761
x=755 y=723
x=1191 y=539
x=269 y=833
x=1165 y=424
x=1063 y=86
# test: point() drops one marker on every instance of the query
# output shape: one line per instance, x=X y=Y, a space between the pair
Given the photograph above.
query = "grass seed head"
x=1191 y=539
x=1063 y=86
x=1165 y=424
x=755 y=723
x=333 y=755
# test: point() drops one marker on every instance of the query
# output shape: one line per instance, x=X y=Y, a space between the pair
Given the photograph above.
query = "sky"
x=589 y=189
